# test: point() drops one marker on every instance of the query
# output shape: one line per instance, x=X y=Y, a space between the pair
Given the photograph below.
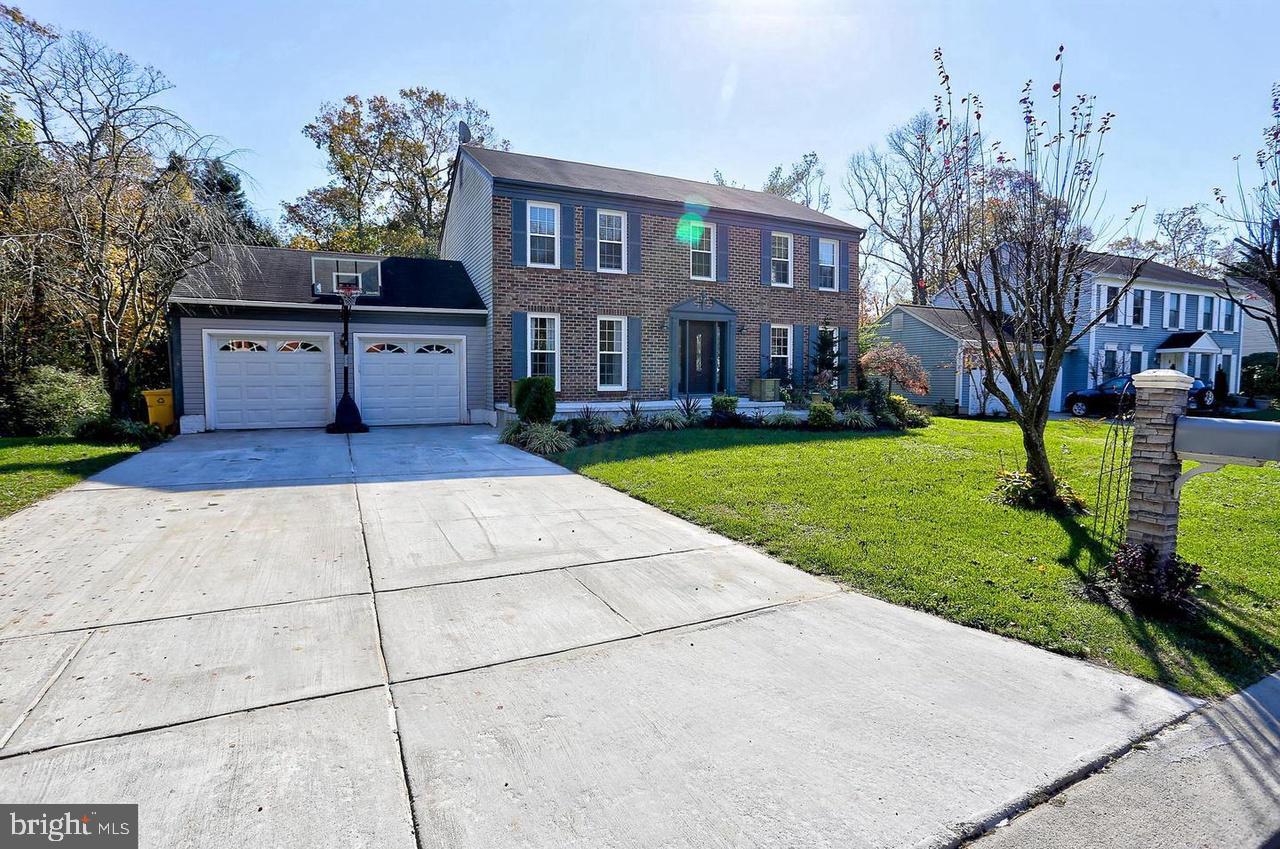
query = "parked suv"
x=1112 y=396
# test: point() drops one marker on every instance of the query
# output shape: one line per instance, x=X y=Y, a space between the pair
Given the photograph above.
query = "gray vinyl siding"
x=192 y=353
x=937 y=353
x=468 y=238
x=1257 y=337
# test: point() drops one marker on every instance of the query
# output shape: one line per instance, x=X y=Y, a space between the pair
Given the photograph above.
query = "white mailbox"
x=1215 y=443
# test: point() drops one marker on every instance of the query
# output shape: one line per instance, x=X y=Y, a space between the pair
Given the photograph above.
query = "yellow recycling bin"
x=159 y=407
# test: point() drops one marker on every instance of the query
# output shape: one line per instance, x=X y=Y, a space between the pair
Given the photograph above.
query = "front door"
x=700 y=357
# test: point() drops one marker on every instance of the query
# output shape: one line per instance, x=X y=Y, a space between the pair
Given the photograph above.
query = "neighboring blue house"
x=1169 y=319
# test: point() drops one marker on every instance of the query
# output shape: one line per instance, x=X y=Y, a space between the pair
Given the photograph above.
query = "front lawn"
x=905 y=517
x=31 y=468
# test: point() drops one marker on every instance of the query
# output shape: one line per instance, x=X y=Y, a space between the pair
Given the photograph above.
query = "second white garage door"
x=409 y=379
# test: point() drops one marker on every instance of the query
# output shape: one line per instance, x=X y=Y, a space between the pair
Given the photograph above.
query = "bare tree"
x=1183 y=239
x=111 y=221
x=804 y=182
x=896 y=190
x=1019 y=234
x=1253 y=276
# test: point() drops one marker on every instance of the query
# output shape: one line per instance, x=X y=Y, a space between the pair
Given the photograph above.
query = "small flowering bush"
x=1142 y=576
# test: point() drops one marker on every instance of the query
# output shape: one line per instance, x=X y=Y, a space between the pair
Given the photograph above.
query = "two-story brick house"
x=621 y=284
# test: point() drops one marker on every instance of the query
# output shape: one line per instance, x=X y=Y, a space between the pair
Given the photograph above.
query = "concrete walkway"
x=420 y=637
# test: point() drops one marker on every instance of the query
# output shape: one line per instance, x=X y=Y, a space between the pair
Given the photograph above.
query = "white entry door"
x=260 y=380
x=409 y=379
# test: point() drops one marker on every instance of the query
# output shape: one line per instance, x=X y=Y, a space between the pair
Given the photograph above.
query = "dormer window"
x=328 y=273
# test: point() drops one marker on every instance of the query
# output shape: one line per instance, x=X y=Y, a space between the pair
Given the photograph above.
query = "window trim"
x=1228 y=327
x=835 y=268
x=621 y=320
x=623 y=217
x=528 y=347
x=1138 y=349
x=791 y=260
x=712 y=250
x=790 y=341
x=1110 y=318
x=1134 y=301
x=529 y=234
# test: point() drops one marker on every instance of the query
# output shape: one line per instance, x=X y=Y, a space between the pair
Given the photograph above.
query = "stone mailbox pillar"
x=1154 y=466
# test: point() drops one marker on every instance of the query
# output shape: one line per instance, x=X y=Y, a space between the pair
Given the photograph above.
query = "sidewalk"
x=1211 y=781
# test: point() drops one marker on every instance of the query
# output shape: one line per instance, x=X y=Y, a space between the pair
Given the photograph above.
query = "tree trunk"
x=119 y=389
x=1038 y=465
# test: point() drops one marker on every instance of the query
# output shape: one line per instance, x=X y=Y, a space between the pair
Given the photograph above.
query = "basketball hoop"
x=348 y=291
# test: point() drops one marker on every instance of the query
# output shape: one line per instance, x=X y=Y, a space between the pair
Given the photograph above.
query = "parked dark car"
x=1112 y=396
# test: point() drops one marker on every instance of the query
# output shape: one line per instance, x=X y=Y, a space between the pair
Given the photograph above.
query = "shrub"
x=724 y=404
x=822 y=415
x=849 y=399
x=511 y=432
x=108 y=431
x=635 y=423
x=909 y=414
x=1144 y=577
x=1021 y=490
x=858 y=420
x=946 y=408
x=544 y=438
x=782 y=420
x=50 y=400
x=599 y=424
x=669 y=420
x=1259 y=376
x=690 y=408
x=535 y=399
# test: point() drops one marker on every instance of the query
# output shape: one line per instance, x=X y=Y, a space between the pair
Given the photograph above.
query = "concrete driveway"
x=422 y=637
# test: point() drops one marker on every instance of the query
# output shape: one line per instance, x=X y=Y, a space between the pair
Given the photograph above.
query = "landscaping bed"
x=906 y=516
x=33 y=467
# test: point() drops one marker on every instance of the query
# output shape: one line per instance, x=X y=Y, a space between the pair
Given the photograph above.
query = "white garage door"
x=269 y=380
x=408 y=379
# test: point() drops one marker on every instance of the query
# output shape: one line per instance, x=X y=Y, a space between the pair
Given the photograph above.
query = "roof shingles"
x=283 y=276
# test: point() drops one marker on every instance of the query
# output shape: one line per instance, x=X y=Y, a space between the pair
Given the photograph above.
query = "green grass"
x=31 y=468
x=906 y=517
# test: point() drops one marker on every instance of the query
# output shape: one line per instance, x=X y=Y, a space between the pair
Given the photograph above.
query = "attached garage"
x=410 y=379
x=256 y=341
x=263 y=379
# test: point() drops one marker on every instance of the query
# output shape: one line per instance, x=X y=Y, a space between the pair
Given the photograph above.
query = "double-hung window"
x=1110 y=300
x=780 y=266
x=611 y=239
x=611 y=353
x=828 y=275
x=1109 y=358
x=702 y=251
x=779 y=349
x=1228 y=368
x=544 y=234
x=1173 y=310
x=1206 y=312
x=1137 y=359
x=1229 y=315
x=544 y=346
x=1138 y=312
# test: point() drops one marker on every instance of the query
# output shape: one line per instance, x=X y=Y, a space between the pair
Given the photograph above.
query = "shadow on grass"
x=1215 y=633
x=76 y=466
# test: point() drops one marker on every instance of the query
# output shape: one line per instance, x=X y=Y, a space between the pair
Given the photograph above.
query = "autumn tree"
x=1253 y=274
x=1019 y=230
x=896 y=189
x=391 y=161
x=110 y=220
x=896 y=364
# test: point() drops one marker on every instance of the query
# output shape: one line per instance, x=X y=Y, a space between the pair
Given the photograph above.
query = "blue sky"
x=683 y=88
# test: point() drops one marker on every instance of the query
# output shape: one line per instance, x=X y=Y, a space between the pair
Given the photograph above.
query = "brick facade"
x=580 y=296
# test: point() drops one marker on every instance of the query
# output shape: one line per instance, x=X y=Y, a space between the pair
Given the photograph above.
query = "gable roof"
x=1189 y=340
x=560 y=173
x=283 y=276
x=1156 y=272
x=948 y=320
